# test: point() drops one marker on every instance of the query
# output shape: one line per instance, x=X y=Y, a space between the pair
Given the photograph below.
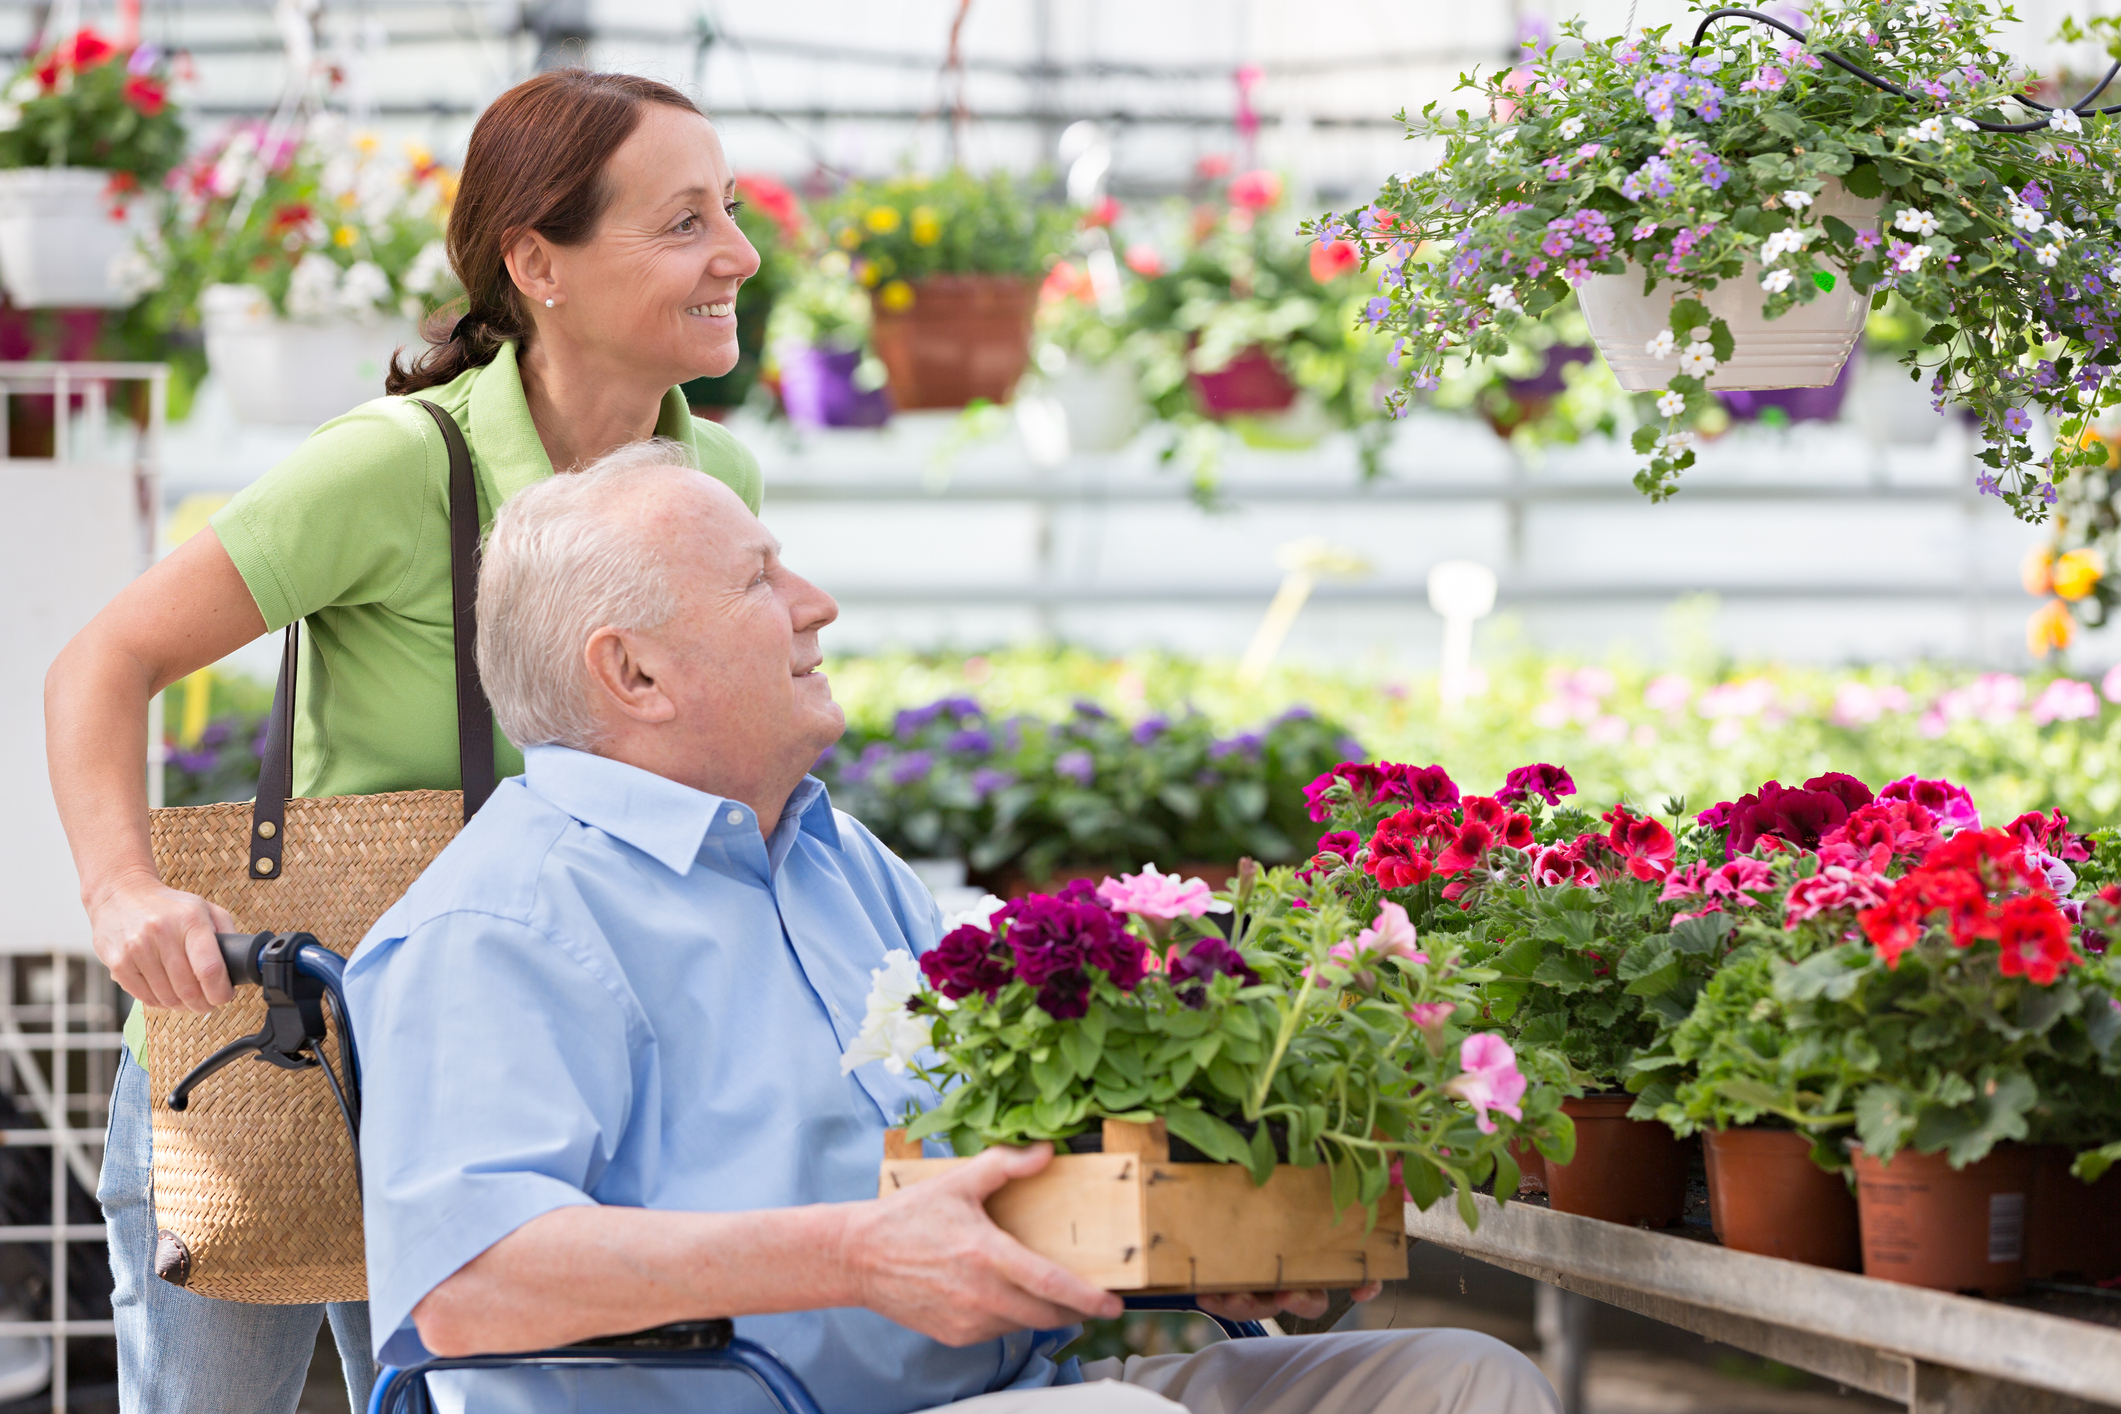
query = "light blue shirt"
x=610 y=989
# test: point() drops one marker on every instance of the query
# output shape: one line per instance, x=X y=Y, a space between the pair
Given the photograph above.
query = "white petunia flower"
x=890 y=1033
x=1776 y=281
x=2048 y=254
x=1571 y=128
x=2025 y=218
x=1922 y=223
x=1503 y=297
x=428 y=269
x=1966 y=125
x=980 y=916
x=1928 y=130
x=363 y=288
x=2065 y=120
x=313 y=288
x=1671 y=404
x=1662 y=346
x=1698 y=359
x=1796 y=199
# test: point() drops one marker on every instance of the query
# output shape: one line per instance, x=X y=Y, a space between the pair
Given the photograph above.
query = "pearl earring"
x=548 y=304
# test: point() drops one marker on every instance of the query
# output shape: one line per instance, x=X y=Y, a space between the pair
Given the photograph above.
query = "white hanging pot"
x=1805 y=348
x=305 y=372
x=58 y=239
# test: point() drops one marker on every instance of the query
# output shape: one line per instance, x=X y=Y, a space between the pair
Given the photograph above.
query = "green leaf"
x=1863 y=180
x=1839 y=230
x=1890 y=173
x=1424 y=1183
x=1344 y=1182
x=1824 y=279
x=1208 y=1134
x=1507 y=1176
x=1262 y=1162
x=1052 y=1075
x=1720 y=340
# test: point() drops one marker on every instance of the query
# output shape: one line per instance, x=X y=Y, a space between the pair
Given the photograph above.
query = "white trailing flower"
x=1966 y=125
x=1796 y=198
x=1928 y=130
x=1503 y=297
x=363 y=288
x=428 y=269
x=24 y=89
x=133 y=273
x=1675 y=442
x=1912 y=260
x=2048 y=254
x=10 y=117
x=1671 y=404
x=1779 y=244
x=1776 y=281
x=890 y=1033
x=313 y=288
x=1922 y=223
x=1571 y=127
x=2060 y=233
x=2065 y=120
x=2025 y=218
x=1698 y=359
x=1662 y=346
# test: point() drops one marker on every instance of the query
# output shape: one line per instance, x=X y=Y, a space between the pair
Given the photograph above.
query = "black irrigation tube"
x=1890 y=87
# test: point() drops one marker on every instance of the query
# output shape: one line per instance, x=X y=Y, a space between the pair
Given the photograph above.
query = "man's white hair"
x=562 y=560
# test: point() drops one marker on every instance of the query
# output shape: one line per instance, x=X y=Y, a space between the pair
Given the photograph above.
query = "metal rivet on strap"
x=267 y=829
x=263 y=864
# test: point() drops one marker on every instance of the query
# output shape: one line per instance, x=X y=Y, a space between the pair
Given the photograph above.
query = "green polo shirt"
x=351 y=535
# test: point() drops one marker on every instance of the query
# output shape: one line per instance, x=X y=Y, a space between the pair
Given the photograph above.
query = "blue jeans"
x=181 y=1353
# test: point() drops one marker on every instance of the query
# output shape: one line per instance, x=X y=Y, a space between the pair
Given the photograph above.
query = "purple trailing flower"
x=1090 y=711
x=913 y=719
x=1653 y=178
x=1246 y=744
x=1076 y=766
x=1549 y=783
x=912 y=767
x=2017 y=422
x=1713 y=173
x=1200 y=964
x=2034 y=197
x=1375 y=311
x=986 y=781
x=971 y=739
x=1149 y=729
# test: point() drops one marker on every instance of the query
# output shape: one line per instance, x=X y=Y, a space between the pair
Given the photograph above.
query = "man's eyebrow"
x=763 y=549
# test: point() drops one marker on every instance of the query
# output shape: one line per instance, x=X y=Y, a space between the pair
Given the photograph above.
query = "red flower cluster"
x=1381 y=784
x=1878 y=833
x=1404 y=849
x=1959 y=884
x=1047 y=940
x=1646 y=847
x=1798 y=816
x=1487 y=823
x=149 y=95
x=84 y=51
x=2049 y=834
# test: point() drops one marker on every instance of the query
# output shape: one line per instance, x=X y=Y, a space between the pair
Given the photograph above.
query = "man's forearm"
x=587 y=1271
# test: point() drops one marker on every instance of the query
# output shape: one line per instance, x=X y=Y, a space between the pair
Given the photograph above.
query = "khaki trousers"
x=1390 y=1372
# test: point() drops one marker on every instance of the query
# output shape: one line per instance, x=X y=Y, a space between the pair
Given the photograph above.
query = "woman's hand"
x=159 y=943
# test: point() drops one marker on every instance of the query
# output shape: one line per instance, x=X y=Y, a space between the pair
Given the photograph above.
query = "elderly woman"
x=593 y=234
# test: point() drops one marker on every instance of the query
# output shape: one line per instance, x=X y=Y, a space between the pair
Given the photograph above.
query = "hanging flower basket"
x=1248 y=383
x=289 y=371
x=954 y=338
x=62 y=241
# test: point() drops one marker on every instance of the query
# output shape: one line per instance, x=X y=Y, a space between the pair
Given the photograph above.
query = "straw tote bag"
x=255 y=1186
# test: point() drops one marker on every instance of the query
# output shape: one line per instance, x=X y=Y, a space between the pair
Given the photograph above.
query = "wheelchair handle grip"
x=239 y=953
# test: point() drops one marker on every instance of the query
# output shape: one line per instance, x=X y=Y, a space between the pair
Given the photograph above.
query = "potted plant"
x=952 y=264
x=772 y=220
x=86 y=133
x=1725 y=207
x=819 y=347
x=1317 y=1065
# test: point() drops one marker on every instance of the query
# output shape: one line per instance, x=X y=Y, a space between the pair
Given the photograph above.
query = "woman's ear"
x=621 y=681
x=531 y=266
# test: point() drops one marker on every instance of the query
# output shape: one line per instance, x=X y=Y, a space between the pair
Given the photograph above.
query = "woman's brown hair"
x=535 y=163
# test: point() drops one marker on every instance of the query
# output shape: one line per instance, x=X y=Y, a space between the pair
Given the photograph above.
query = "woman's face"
x=655 y=287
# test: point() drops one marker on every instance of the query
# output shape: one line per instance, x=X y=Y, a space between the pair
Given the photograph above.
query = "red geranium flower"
x=1403 y=851
x=2034 y=938
x=1332 y=259
x=775 y=200
x=85 y=50
x=146 y=94
x=1647 y=846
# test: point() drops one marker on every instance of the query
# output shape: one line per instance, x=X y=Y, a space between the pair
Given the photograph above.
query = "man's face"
x=739 y=658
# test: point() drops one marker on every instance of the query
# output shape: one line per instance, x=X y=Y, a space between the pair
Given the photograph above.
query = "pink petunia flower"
x=1430 y=1016
x=1155 y=895
x=1488 y=1079
x=1391 y=934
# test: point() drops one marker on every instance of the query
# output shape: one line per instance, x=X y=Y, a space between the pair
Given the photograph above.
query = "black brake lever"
x=294 y=1006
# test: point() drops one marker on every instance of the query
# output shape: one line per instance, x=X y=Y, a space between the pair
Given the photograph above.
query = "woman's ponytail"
x=535 y=163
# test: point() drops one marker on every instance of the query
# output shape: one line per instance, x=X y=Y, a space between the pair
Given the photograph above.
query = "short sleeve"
x=729 y=461
x=344 y=520
x=496 y=1082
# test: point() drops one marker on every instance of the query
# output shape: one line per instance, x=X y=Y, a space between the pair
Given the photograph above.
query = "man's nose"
x=809 y=607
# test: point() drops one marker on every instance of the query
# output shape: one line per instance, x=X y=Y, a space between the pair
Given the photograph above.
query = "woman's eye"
x=733 y=206
x=687 y=222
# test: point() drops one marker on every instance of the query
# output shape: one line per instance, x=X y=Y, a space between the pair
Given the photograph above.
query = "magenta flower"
x=1488 y=1078
x=1951 y=804
x=1157 y=895
x=1549 y=783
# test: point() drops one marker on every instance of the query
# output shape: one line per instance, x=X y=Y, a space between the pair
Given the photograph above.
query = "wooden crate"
x=1131 y=1220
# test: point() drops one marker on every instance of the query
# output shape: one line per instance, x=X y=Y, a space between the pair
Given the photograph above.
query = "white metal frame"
x=59 y=1050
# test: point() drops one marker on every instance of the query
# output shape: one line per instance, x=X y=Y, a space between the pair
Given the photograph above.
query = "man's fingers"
x=203 y=951
x=992 y=1168
x=1368 y=1291
x=1309 y=1304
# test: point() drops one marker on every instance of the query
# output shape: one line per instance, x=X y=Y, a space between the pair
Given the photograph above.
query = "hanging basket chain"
x=1890 y=87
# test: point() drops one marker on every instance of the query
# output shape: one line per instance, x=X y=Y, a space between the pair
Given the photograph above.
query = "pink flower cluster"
x=1162 y=896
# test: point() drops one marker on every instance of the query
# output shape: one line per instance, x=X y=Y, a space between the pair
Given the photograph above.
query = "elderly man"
x=602 y=1035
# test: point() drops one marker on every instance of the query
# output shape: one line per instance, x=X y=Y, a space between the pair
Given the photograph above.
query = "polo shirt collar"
x=507 y=444
x=665 y=820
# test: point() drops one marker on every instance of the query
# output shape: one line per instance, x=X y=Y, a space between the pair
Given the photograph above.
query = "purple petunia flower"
x=972 y=739
x=1200 y=964
x=912 y=767
x=1076 y=766
x=986 y=781
x=1149 y=729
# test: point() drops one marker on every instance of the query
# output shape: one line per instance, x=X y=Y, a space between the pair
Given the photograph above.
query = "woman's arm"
x=190 y=610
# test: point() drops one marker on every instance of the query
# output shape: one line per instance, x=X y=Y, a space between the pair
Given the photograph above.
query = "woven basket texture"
x=257 y=1177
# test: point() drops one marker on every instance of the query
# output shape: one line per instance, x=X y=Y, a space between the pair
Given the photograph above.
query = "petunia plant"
x=1685 y=162
x=1313 y=1038
x=84 y=102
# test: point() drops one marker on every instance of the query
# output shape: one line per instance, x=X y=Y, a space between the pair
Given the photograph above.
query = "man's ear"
x=623 y=677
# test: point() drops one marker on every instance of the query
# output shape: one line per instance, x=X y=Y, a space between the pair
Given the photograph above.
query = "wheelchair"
x=298 y=974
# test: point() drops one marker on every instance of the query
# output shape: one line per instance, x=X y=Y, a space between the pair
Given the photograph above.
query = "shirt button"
x=736 y=817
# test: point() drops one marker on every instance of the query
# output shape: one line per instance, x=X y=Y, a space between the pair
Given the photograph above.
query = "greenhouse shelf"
x=1933 y=1351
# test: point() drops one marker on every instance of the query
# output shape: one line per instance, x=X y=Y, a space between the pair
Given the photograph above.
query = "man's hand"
x=1309 y=1303
x=159 y=943
x=929 y=1258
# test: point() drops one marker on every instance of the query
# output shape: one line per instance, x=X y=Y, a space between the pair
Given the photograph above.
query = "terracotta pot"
x=1531 y=1167
x=2074 y=1229
x=1767 y=1196
x=1630 y=1171
x=963 y=337
x=1249 y=383
x=1928 y=1224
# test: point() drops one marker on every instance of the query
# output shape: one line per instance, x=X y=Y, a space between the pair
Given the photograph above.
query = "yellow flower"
x=926 y=228
x=869 y=274
x=2050 y=627
x=850 y=236
x=345 y=236
x=366 y=143
x=896 y=296
x=882 y=219
x=2036 y=571
x=2077 y=573
x=420 y=155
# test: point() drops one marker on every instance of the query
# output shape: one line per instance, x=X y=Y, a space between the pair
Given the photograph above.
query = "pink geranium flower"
x=1488 y=1078
x=1834 y=888
x=1163 y=896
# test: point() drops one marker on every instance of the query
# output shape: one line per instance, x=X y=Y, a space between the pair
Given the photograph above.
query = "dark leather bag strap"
x=276 y=772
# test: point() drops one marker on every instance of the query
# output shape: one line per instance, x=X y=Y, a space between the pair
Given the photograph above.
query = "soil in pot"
x=1630 y=1171
x=963 y=337
x=2074 y=1228
x=1928 y=1224
x=1767 y=1196
x=1531 y=1168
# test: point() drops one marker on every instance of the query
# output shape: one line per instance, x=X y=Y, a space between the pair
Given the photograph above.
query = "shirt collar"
x=667 y=821
x=507 y=446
